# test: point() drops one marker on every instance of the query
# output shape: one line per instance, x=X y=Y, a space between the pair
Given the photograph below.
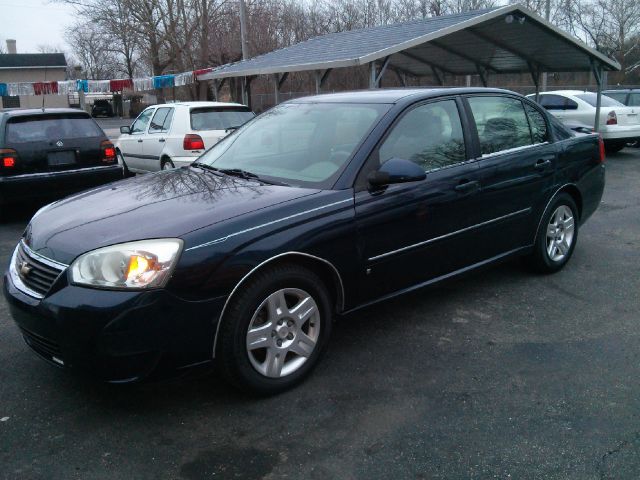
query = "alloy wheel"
x=560 y=233
x=283 y=332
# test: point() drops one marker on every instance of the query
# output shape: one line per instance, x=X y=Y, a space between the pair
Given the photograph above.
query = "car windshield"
x=219 y=119
x=592 y=98
x=42 y=128
x=305 y=144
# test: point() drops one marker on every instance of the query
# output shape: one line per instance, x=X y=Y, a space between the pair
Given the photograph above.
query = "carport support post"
x=535 y=76
x=279 y=81
x=597 y=72
x=216 y=90
x=321 y=78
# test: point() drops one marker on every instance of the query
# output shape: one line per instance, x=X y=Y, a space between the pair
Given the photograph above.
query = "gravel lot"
x=502 y=374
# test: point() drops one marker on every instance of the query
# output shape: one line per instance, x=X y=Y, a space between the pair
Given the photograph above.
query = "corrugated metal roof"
x=32 y=60
x=501 y=40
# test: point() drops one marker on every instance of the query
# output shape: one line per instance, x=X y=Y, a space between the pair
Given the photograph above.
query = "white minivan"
x=175 y=134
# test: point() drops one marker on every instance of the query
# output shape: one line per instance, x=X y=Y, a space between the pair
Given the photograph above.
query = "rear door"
x=52 y=142
x=516 y=164
x=156 y=138
x=132 y=144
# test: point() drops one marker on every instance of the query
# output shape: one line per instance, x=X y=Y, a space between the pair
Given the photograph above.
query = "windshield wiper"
x=205 y=166
x=238 y=172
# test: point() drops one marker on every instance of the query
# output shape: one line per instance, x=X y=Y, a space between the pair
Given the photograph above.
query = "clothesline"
x=66 y=87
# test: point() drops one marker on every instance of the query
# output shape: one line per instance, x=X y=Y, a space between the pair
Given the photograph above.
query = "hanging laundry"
x=98 y=86
x=82 y=85
x=185 y=78
x=202 y=71
x=120 y=85
x=162 y=81
x=66 y=87
x=140 y=84
x=3 y=90
x=23 y=88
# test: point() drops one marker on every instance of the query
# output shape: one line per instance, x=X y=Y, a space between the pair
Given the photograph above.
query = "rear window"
x=44 y=128
x=219 y=118
x=619 y=96
x=592 y=98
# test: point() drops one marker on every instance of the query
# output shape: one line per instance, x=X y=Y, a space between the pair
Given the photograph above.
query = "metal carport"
x=510 y=39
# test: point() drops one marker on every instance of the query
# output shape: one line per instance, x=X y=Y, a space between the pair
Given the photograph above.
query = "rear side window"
x=605 y=101
x=537 y=124
x=213 y=118
x=161 y=121
x=47 y=128
x=557 y=102
x=501 y=123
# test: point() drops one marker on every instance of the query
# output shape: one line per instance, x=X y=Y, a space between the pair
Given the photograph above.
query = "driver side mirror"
x=125 y=129
x=396 y=170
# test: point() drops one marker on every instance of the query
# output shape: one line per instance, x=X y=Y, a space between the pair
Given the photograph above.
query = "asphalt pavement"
x=111 y=126
x=502 y=374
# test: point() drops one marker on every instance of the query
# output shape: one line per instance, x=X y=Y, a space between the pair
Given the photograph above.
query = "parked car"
x=172 y=135
x=319 y=207
x=627 y=96
x=619 y=125
x=102 y=108
x=50 y=153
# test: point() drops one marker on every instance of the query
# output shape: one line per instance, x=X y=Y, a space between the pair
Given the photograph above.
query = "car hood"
x=161 y=205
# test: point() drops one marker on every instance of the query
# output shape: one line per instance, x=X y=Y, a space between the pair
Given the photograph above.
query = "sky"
x=34 y=22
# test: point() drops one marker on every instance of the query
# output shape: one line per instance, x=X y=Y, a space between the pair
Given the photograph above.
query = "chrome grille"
x=35 y=272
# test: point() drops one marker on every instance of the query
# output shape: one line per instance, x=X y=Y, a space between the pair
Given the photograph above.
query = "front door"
x=410 y=233
x=155 y=140
x=132 y=144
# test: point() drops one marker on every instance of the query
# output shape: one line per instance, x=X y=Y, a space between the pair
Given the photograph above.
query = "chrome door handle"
x=139 y=141
x=542 y=164
x=467 y=186
x=161 y=140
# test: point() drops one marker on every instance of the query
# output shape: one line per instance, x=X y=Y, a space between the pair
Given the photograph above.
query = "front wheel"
x=557 y=235
x=275 y=330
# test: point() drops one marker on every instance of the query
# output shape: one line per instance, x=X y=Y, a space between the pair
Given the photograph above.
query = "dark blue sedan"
x=316 y=208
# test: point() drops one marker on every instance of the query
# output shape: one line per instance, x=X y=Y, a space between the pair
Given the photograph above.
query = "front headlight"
x=142 y=264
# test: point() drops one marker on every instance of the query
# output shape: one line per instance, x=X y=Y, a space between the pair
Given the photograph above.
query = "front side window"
x=305 y=144
x=140 y=125
x=501 y=123
x=429 y=135
x=159 y=121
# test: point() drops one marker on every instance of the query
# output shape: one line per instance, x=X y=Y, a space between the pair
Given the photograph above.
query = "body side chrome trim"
x=451 y=234
x=260 y=265
x=438 y=279
x=246 y=230
x=512 y=150
x=549 y=203
x=60 y=173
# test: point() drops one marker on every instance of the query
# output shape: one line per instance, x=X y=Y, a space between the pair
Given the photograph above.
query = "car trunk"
x=628 y=115
x=54 y=142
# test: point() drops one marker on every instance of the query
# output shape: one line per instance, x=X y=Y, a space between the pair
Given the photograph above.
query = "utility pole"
x=547 y=15
x=246 y=87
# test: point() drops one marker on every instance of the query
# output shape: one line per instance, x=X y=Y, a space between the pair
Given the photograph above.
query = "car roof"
x=565 y=92
x=19 y=112
x=199 y=104
x=392 y=95
x=621 y=90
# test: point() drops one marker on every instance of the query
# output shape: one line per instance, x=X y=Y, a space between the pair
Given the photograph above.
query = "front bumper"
x=56 y=184
x=118 y=336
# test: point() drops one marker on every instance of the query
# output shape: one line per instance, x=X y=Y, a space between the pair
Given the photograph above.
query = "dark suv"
x=102 y=108
x=49 y=153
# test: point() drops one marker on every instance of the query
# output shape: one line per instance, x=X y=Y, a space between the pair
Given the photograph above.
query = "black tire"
x=167 y=164
x=231 y=355
x=540 y=260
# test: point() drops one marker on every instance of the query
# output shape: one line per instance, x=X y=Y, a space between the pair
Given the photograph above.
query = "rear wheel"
x=557 y=235
x=167 y=164
x=275 y=330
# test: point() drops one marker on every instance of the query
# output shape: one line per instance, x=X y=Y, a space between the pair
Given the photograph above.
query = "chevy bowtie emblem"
x=25 y=269
x=60 y=143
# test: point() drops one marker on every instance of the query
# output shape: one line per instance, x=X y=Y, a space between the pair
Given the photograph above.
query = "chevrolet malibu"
x=316 y=208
